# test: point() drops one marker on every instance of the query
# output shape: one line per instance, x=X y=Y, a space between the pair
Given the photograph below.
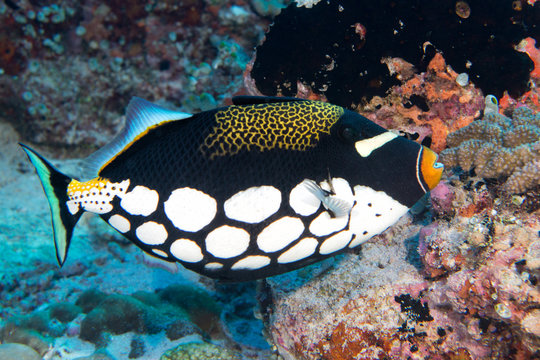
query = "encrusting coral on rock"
x=430 y=104
x=499 y=146
x=484 y=265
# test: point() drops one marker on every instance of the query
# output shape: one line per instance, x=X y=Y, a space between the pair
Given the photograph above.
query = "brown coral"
x=11 y=61
x=525 y=178
x=498 y=146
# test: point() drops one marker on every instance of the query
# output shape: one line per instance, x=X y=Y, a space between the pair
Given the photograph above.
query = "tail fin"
x=55 y=186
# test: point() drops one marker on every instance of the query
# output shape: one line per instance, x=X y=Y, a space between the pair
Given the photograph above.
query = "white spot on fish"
x=254 y=204
x=367 y=146
x=213 y=266
x=140 y=201
x=186 y=250
x=335 y=242
x=324 y=224
x=120 y=223
x=251 y=263
x=190 y=209
x=280 y=233
x=302 y=200
x=302 y=250
x=227 y=241
x=73 y=206
x=160 y=253
x=373 y=213
x=151 y=233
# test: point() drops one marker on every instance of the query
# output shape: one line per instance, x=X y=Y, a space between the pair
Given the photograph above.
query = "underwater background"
x=456 y=278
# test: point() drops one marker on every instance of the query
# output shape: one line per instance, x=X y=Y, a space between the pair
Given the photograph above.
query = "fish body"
x=251 y=190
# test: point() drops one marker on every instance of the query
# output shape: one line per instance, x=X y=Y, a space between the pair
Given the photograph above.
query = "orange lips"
x=431 y=169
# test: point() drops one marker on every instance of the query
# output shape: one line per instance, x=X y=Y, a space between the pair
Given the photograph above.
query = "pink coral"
x=442 y=197
x=527 y=46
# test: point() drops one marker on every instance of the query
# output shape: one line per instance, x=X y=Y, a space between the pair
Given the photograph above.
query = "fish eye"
x=347 y=133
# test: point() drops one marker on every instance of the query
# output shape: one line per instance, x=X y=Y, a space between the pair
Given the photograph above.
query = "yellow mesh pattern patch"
x=287 y=125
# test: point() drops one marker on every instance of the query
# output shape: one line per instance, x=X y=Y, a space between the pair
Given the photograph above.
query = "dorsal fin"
x=140 y=116
x=251 y=100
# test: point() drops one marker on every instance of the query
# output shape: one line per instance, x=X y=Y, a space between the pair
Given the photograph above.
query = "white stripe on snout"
x=366 y=146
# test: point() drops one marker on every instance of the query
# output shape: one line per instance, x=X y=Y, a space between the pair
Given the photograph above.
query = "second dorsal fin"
x=250 y=100
x=140 y=116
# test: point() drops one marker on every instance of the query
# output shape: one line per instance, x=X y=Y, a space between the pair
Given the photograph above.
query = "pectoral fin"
x=337 y=206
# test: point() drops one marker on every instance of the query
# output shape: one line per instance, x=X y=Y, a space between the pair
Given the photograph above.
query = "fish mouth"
x=430 y=169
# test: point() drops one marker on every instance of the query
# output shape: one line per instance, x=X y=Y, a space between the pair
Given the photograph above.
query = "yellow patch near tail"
x=294 y=125
x=94 y=195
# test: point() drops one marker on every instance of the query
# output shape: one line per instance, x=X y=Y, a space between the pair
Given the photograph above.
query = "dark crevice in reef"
x=336 y=47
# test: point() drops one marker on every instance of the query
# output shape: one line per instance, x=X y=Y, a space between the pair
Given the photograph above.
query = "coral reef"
x=13 y=334
x=488 y=257
x=366 y=305
x=67 y=71
x=499 y=146
x=177 y=311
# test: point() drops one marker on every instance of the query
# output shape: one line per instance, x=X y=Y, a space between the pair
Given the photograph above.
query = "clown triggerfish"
x=251 y=190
